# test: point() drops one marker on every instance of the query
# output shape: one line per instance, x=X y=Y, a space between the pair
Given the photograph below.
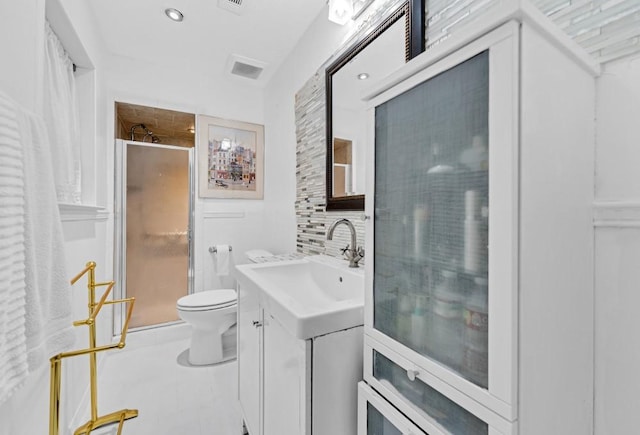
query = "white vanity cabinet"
x=479 y=288
x=290 y=386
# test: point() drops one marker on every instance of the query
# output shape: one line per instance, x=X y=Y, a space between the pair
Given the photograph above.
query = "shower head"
x=134 y=127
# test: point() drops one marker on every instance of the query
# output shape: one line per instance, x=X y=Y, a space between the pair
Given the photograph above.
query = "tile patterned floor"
x=171 y=396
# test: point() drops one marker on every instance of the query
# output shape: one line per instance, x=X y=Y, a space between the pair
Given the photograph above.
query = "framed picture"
x=230 y=158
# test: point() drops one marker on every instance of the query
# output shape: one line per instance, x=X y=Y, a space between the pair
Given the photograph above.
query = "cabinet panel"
x=378 y=417
x=249 y=357
x=377 y=424
x=424 y=398
x=286 y=381
x=337 y=369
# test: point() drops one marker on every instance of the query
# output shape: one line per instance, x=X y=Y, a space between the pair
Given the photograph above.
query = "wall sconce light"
x=340 y=11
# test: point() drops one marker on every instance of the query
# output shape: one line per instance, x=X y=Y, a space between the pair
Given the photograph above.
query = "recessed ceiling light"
x=174 y=14
x=363 y=76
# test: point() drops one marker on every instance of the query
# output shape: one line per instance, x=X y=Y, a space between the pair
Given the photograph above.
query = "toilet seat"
x=208 y=300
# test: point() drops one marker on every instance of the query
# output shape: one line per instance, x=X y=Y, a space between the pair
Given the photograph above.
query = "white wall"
x=317 y=45
x=22 y=60
x=243 y=224
x=617 y=247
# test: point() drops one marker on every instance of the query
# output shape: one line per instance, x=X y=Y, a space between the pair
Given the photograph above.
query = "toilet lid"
x=209 y=298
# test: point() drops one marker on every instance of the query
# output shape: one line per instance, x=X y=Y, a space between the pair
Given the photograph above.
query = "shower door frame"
x=120 y=230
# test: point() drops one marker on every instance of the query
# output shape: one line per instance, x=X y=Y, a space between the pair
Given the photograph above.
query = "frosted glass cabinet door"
x=379 y=417
x=432 y=218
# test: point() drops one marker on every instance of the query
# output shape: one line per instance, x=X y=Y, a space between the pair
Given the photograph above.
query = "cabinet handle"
x=411 y=374
x=257 y=323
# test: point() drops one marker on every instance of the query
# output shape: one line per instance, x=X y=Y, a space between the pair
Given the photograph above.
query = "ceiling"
x=265 y=30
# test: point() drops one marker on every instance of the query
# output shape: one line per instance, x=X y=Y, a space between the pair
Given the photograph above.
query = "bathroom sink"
x=310 y=297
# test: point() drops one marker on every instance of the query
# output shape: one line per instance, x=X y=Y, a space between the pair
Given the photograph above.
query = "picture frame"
x=230 y=158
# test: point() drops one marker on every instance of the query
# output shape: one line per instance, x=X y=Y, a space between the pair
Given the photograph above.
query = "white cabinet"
x=250 y=322
x=289 y=386
x=286 y=381
x=479 y=302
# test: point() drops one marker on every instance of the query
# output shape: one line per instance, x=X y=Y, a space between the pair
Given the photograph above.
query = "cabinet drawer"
x=377 y=417
x=425 y=399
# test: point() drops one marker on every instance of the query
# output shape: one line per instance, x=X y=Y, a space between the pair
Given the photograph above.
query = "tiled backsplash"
x=311 y=215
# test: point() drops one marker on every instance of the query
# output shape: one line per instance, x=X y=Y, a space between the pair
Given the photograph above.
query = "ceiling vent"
x=245 y=67
x=235 y=6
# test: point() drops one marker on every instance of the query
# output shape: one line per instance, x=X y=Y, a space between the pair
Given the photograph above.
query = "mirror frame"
x=413 y=13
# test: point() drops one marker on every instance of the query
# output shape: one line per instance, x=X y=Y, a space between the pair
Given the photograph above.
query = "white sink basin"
x=309 y=297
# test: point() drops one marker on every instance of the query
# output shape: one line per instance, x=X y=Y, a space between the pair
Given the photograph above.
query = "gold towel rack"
x=56 y=361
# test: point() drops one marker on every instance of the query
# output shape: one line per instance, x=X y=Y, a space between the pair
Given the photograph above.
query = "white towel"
x=13 y=355
x=48 y=325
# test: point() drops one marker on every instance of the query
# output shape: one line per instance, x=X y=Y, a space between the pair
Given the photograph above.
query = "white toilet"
x=212 y=315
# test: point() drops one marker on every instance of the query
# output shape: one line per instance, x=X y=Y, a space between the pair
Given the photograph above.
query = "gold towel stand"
x=56 y=361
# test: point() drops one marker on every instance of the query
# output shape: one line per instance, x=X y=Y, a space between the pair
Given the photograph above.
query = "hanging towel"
x=48 y=326
x=13 y=355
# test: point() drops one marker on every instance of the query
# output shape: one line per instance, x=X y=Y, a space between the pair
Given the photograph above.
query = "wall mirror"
x=397 y=39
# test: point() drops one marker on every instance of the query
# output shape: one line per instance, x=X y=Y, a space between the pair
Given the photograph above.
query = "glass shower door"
x=156 y=239
x=431 y=218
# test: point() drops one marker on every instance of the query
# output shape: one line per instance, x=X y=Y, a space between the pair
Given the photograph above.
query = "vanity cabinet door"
x=250 y=325
x=443 y=288
x=287 y=381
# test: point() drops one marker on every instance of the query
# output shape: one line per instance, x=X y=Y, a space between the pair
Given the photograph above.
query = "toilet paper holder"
x=214 y=249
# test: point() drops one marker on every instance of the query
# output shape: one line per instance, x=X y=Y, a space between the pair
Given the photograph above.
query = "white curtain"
x=61 y=117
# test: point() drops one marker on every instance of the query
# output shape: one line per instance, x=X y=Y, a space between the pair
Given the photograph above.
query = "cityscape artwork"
x=231 y=156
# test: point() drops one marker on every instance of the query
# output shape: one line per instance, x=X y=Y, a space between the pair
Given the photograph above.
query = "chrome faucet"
x=352 y=253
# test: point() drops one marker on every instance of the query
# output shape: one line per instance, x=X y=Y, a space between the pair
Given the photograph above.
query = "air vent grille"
x=235 y=6
x=245 y=70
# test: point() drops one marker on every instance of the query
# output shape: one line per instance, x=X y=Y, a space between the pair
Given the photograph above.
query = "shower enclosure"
x=154 y=217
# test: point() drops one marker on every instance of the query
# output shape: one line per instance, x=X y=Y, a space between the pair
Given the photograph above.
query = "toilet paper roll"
x=222 y=260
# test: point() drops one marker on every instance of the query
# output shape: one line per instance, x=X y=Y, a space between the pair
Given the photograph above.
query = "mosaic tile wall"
x=312 y=218
x=606 y=29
